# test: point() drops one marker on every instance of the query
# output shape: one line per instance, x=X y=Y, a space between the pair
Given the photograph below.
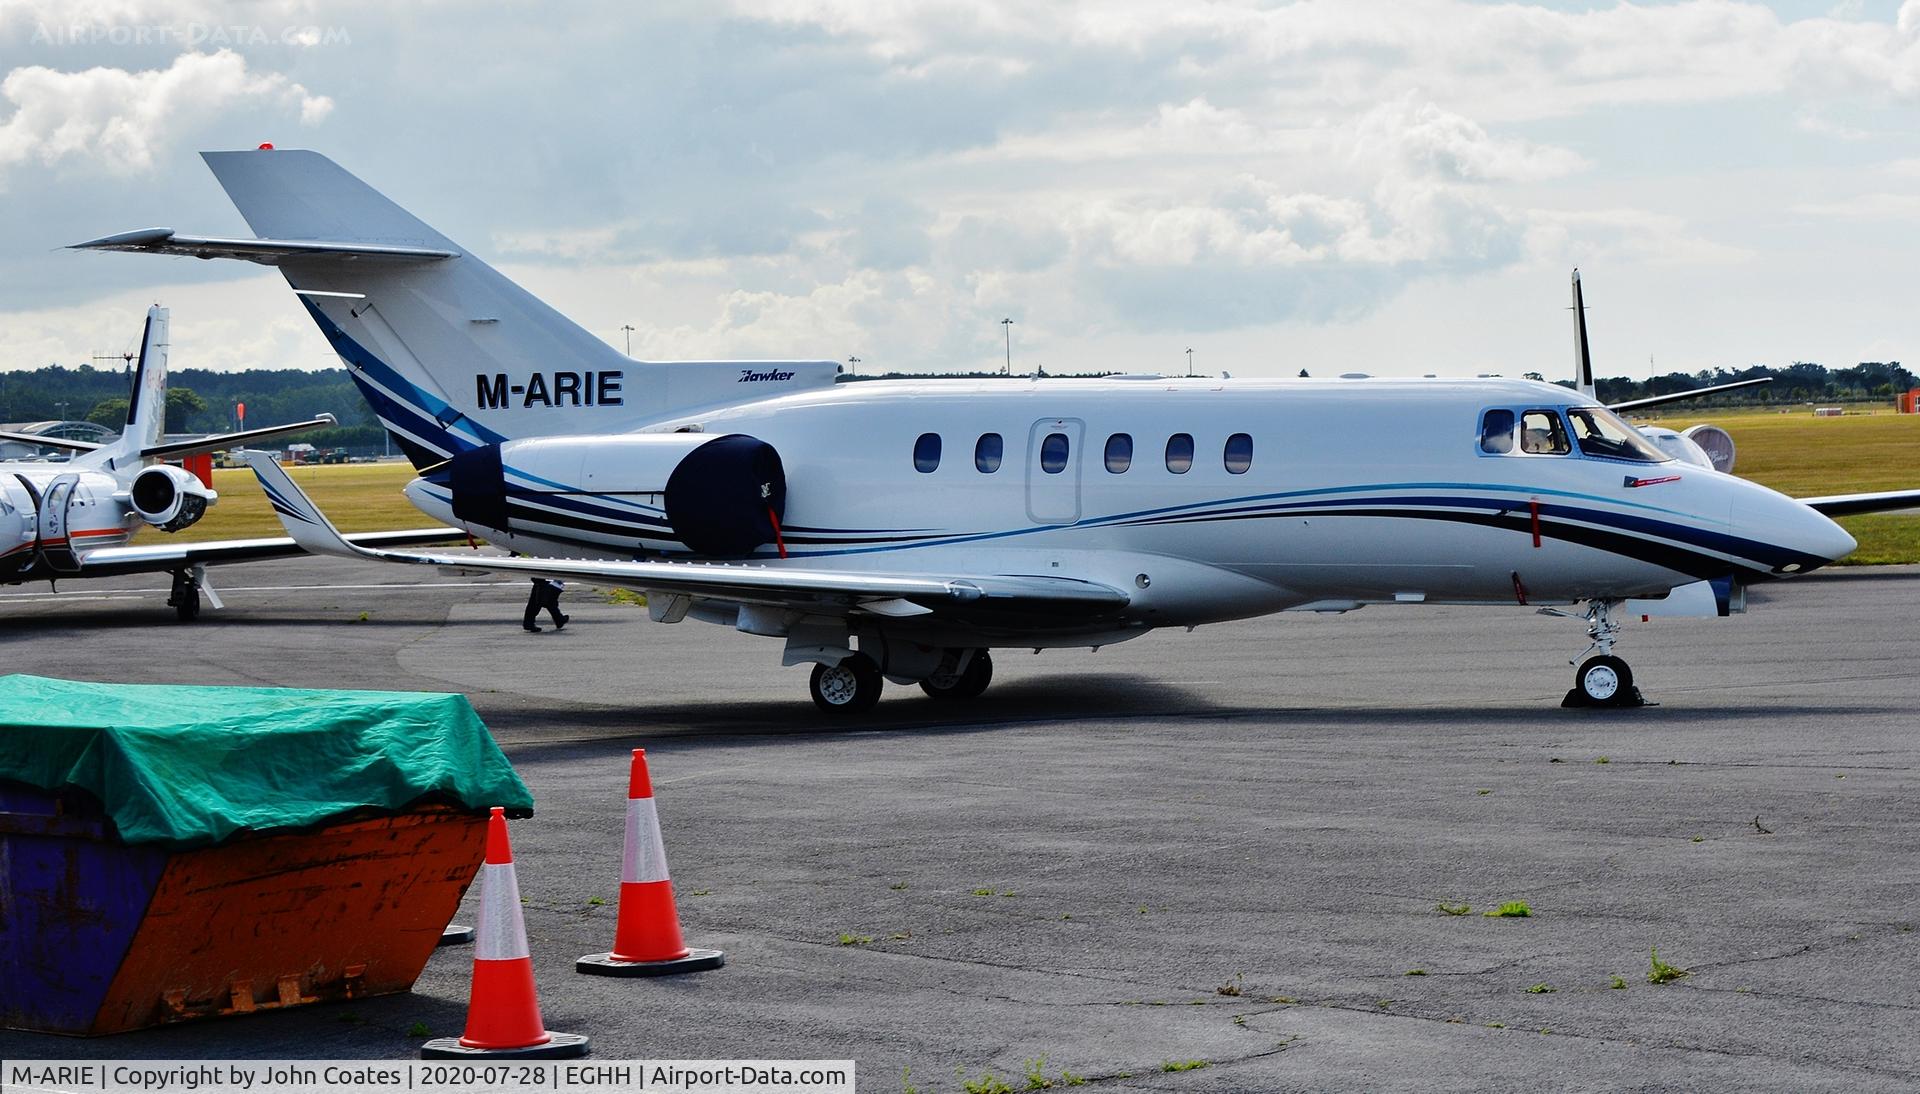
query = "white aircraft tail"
x=146 y=403
x=451 y=354
x=1582 y=352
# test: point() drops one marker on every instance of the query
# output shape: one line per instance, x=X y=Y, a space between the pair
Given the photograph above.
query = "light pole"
x=629 y=329
x=1006 y=325
x=1189 y=360
x=852 y=366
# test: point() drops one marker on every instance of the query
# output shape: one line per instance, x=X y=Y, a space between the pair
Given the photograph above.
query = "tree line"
x=1800 y=382
x=198 y=400
x=202 y=401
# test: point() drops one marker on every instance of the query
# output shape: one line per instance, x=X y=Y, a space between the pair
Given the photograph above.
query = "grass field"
x=1795 y=453
x=359 y=497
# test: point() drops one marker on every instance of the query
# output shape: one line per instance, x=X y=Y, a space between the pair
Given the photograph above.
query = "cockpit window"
x=1601 y=433
x=1496 y=432
x=1541 y=434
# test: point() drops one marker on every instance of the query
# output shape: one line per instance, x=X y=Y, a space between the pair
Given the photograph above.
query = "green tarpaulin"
x=194 y=765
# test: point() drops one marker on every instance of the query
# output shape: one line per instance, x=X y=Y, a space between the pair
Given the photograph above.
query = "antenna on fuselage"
x=1582 y=353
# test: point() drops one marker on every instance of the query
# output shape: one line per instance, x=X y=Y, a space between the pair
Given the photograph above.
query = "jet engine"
x=723 y=497
x=170 y=498
x=1700 y=445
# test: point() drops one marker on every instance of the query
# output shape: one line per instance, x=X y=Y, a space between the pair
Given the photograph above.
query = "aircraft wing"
x=1677 y=396
x=1847 y=505
x=114 y=561
x=820 y=590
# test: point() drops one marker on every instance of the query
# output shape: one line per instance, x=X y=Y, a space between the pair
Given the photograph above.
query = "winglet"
x=1582 y=353
x=303 y=520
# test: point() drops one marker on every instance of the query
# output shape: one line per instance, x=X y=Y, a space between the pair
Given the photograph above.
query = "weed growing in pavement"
x=1454 y=909
x=1619 y=982
x=1542 y=989
x=855 y=939
x=1661 y=972
x=419 y=1029
x=1182 y=1065
x=1511 y=909
x=1414 y=972
x=1231 y=987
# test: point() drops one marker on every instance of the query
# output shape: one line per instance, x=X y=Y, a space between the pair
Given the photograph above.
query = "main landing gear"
x=850 y=687
x=853 y=686
x=185 y=600
x=962 y=675
x=1602 y=680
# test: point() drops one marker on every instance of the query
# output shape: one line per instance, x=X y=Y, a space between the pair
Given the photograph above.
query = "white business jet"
x=69 y=520
x=901 y=530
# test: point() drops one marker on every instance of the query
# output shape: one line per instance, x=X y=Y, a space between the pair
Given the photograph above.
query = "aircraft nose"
x=1810 y=538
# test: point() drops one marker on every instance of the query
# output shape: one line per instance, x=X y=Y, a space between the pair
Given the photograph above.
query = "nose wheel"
x=1602 y=680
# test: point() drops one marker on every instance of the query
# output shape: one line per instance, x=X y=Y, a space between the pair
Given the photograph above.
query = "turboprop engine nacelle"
x=723 y=496
x=170 y=498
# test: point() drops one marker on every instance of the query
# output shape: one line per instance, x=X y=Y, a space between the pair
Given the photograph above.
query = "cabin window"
x=1600 y=433
x=1053 y=453
x=986 y=453
x=1119 y=453
x=1239 y=454
x=1180 y=453
x=926 y=453
x=1496 y=432
x=1541 y=434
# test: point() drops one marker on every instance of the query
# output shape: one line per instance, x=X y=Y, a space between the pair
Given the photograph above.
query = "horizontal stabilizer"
x=232 y=440
x=48 y=442
x=267 y=252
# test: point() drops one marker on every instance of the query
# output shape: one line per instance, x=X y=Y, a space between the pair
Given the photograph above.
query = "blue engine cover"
x=724 y=496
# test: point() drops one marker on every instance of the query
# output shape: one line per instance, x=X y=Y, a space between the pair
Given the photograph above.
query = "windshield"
x=1600 y=433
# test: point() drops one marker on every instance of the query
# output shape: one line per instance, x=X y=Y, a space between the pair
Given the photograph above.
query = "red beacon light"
x=268 y=147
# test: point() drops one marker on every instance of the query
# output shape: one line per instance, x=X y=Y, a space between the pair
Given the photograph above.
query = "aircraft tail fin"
x=1582 y=352
x=450 y=353
x=146 y=419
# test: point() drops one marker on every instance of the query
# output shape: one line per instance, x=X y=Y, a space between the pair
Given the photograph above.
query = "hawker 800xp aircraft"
x=902 y=530
x=62 y=521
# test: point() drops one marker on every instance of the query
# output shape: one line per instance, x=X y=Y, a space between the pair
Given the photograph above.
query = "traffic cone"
x=646 y=936
x=503 y=1012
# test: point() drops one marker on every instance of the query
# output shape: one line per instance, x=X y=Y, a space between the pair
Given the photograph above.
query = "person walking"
x=544 y=597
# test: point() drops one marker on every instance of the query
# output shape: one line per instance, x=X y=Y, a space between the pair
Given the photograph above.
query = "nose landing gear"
x=1602 y=680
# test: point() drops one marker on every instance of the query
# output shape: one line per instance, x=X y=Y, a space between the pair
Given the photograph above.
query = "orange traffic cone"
x=503 y=1013
x=646 y=936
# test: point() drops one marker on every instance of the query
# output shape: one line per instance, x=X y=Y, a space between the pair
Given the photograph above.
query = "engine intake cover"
x=724 y=496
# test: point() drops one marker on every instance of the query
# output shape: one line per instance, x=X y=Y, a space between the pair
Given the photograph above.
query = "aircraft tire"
x=969 y=684
x=187 y=608
x=850 y=687
x=1605 y=682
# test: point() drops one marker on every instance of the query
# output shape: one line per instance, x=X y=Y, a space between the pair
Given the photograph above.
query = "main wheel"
x=185 y=600
x=960 y=686
x=850 y=687
x=1605 y=681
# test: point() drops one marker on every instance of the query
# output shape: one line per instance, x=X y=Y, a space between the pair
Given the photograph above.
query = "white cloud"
x=119 y=119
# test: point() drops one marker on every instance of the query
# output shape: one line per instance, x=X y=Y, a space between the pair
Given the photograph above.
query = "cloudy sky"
x=1393 y=187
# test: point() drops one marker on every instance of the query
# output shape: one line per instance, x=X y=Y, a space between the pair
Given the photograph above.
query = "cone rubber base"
x=456 y=935
x=605 y=964
x=562 y=1046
